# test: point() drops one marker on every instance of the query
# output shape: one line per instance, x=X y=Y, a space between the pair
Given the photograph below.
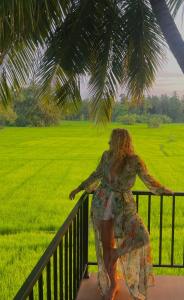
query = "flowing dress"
x=113 y=199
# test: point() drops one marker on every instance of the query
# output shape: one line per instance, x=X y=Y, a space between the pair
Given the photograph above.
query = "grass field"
x=40 y=166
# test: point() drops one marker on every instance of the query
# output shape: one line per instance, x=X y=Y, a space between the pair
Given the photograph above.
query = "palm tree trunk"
x=169 y=30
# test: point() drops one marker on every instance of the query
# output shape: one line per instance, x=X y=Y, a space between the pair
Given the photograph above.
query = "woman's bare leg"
x=108 y=242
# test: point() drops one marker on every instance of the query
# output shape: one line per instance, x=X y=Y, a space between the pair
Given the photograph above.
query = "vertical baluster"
x=66 y=265
x=172 y=237
x=85 y=236
x=61 y=269
x=149 y=211
x=48 y=270
x=70 y=263
x=31 y=296
x=40 y=287
x=137 y=202
x=74 y=259
x=160 y=238
x=78 y=261
x=81 y=241
x=55 y=275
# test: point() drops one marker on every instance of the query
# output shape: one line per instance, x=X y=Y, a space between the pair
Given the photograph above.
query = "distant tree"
x=119 y=109
x=172 y=106
x=7 y=115
x=175 y=110
x=31 y=112
x=83 y=113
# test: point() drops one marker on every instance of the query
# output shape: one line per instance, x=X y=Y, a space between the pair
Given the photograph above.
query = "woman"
x=121 y=239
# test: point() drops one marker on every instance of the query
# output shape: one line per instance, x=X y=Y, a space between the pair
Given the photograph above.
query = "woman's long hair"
x=122 y=149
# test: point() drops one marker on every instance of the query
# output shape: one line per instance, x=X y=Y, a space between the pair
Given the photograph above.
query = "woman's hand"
x=168 y=191
x=73 y=193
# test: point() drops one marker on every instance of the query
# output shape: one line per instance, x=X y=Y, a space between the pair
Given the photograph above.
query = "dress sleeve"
x=90 y=183
x=152 y=184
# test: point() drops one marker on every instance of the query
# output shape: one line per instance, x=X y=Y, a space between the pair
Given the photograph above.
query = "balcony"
x=63 y=271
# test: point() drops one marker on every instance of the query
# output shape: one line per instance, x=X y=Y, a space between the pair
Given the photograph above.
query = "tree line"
x=26 y=110
x=154 y=109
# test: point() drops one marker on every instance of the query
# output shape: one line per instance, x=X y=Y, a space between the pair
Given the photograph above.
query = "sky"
x=169 y=78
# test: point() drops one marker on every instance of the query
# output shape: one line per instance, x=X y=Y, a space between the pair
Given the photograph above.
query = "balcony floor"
x=166 y=288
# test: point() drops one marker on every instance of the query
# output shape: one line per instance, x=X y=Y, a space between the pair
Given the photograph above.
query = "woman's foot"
x=113 y=276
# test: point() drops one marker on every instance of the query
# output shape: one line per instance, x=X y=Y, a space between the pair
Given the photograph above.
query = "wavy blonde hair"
x=122 y=148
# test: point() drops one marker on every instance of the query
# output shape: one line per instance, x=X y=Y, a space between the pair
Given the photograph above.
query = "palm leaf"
x=29 y=19
x=144 y=48
x=175 y=5
x=106 y=65
x=54 y=84
x=17 y=69
x=24 y=27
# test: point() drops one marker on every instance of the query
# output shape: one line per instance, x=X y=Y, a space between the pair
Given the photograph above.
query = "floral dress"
x=113 y=198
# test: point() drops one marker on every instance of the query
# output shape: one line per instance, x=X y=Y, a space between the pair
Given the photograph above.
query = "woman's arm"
x=94 y=177
x=91 y=182
x=153 y=185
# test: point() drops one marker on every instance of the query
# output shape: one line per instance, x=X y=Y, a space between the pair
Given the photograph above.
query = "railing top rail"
x=150 y=193
x=37 y=270
x=137 y=192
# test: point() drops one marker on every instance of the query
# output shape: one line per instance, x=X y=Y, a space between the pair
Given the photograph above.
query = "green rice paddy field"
x=40 y=166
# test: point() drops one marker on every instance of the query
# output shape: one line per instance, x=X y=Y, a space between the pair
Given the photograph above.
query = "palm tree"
x=112 y=42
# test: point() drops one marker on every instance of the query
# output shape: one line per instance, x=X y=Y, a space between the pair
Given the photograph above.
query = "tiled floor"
x=166 y=288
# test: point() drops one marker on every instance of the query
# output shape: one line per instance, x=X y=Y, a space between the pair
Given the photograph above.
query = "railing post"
x=85 y=235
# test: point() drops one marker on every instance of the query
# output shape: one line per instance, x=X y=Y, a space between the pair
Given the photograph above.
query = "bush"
x=154 y=121
x=127 y=119
x=142 y=118
x=7 y=116
x=166 y=119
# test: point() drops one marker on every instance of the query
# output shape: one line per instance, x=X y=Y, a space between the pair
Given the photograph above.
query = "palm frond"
x=101 y=111
x=175 y=5
x=20 y=20
x=73 y=45
x=106 y=65
x=54 y=84
x=25 y=28
x=67 y=93
x=17 y=69
x=49 y=28
x=144 y=48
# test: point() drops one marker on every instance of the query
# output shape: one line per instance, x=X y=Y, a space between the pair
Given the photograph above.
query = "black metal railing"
x=160 y=213
x=58 y=273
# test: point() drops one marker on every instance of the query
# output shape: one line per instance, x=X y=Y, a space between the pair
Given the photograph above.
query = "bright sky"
x=170 y=78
